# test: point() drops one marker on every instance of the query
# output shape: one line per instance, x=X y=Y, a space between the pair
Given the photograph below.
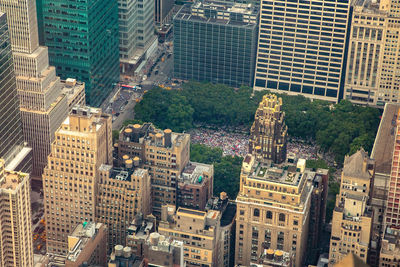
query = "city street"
x=165 y=71
x=127 y=113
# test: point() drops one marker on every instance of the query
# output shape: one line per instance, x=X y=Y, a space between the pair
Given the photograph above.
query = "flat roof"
x=193 y=173
x=192 y=212
x=185 y=13
x=384 y=142
x=12 y=180
x=18 y=158
x=267 y=171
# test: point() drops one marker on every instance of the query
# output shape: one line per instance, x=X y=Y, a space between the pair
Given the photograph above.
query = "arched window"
x=269 y=214
x=281 y=217
x=256 y=213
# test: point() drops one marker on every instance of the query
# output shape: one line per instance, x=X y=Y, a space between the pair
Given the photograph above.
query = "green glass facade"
x=82 y=37
x=39 y=10
x=207 y=48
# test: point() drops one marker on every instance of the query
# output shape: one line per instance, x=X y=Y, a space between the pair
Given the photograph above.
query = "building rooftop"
x=11 y=180
x=276 y=258
x=191 y=212
x=351 y=260
x=14 y=163
x=220 y=12
x=223 y=205
x=391 y=241
x=147 y=133
x=267 y=171
x=368 y=6
x=141 y=227
x=71 y=88
x=354 y=165
x=85 y=111
x=95 y=115
x=384 y=141
x=82 y=234
x=122 y=173
x=159 y=242
x=193 y=173
x=124 y=257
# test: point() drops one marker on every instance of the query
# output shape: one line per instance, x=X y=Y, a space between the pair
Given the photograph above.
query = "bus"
x=129 y=87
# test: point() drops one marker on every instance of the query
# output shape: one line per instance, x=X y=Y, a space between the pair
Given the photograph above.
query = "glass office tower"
x=11 y=136
x=301 y=47
x=82 y=37
x=216 y=42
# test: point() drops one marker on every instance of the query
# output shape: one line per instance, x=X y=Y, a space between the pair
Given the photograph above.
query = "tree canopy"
x=166 y=109
x=226 y=168
x=340 y=128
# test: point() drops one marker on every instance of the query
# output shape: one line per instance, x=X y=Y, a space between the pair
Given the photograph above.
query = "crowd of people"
x=236 y=143
x=307 y=150
x=231 y=143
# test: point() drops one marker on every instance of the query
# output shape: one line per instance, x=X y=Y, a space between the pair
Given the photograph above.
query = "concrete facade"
x=195 y=186
x=16 y=244
x=43 y=107
x=70 y=181
x=87 y=244
x=199 y=231
x=281 y=220
x=164 y=154
x=352 y=216
x=123 y=194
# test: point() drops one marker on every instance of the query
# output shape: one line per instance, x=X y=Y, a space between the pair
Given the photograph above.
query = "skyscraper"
x=131 y=197
x=42 y=105
x=382 y=153
x=392 y=215
x=352 y=216
x=164 y=154
x=366 y=47
x=273 y=210
x=202 y=233
x=136 y=32
x=16 y=245
x=301 y=47
x=87 y=245
x=280 y=204
x=216 y=41
x=83 y=142
x=268 y=133
x=163 y=11
x=82 y=37
x=11 y=136
x=389 y=83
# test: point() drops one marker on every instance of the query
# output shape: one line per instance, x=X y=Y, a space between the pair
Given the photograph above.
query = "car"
x=156 y=72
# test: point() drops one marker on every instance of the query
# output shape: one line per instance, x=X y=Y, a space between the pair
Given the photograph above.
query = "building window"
x=282 y=217
x=256 y=213
x=269 y=214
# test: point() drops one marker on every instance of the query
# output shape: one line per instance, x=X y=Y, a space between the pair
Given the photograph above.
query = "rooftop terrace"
x=11 y=180
x=194 y=173
x=266 y=171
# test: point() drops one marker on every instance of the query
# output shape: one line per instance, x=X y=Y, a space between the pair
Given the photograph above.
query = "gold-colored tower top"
x=271 y=102
x=269 y=132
